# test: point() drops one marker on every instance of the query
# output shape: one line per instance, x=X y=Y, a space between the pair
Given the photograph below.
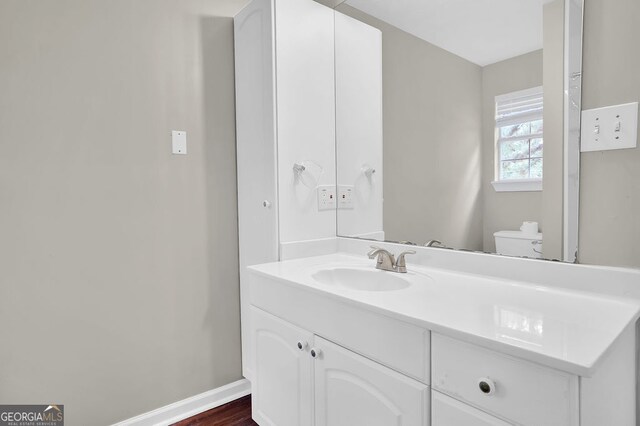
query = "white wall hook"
x=308 y=173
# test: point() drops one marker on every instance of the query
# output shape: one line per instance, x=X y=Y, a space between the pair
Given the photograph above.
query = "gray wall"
x=506 y=210
x=432 y=171
x=610 y=180
x=119 y=270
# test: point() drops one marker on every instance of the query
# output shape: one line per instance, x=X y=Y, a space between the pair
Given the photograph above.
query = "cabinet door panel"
x=352 y=390
x=282 y=385
x=446 y=411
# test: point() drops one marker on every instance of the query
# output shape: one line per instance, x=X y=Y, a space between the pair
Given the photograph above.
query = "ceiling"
x=481 y=31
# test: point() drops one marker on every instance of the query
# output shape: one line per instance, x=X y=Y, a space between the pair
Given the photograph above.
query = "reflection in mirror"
x=449 y=123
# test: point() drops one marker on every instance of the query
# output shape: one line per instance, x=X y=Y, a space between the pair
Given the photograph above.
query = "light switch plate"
x=179 y=142
x=345 y=196
x=614 y=127
x=326 y=197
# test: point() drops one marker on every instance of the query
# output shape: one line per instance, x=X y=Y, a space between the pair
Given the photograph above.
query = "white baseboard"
x=181 y=410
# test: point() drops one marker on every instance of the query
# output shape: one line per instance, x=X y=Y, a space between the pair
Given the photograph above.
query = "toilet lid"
x=518 y=235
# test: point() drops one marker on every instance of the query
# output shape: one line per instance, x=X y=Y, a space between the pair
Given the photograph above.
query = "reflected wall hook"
x=368 y=171
x=299 y=168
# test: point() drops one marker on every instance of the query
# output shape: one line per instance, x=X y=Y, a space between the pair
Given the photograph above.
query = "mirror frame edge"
x=573 y=45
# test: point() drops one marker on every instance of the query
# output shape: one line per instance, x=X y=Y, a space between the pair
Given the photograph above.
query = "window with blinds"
x=519 y=141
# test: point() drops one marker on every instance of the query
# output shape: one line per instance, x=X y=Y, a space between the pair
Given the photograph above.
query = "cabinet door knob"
x=301 y=345
x=487 y=386
x=266 y=203
x=315 y=353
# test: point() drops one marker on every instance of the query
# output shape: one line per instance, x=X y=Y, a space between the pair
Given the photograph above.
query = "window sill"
x=522 y=185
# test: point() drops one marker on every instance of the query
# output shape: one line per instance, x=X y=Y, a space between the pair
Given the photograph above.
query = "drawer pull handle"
x=301 y=345
x=487 y=386
x=315 y=353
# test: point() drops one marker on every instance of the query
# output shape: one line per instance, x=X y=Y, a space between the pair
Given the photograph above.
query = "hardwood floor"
x=235 y=413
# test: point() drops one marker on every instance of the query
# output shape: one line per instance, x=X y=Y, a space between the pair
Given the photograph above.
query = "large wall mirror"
x=457 y=123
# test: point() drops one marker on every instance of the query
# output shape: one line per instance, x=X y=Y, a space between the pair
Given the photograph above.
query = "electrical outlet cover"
x=613 y=127
x=326 y=197
x=179 y=142
x=345 y=196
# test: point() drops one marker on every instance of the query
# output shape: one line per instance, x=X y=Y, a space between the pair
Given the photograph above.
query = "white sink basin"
x=361 y=279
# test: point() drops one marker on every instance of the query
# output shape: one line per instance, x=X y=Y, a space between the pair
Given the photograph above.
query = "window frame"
x=515 y=185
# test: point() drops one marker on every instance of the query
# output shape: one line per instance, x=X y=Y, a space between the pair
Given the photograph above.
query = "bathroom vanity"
x=463 y=338
x=334 y=341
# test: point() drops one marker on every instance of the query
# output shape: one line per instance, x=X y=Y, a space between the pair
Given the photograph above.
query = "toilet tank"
x=518 y=243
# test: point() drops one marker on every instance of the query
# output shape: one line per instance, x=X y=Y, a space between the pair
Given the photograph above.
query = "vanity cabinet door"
x=283 y=376
x=352 y=390
x=446 y=411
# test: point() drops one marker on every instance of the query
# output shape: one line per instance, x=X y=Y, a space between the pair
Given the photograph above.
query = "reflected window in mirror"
x=519 y=141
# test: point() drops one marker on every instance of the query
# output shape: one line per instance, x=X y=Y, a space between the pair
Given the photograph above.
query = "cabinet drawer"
x=519 y=391
x=393 y=343
x=446 y=411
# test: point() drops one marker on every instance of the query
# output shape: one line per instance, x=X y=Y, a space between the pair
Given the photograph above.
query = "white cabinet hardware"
x=487 y=386
x=315 y=353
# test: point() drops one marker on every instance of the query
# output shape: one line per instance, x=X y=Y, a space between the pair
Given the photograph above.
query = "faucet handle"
x=435 y=243
x=374 y=251
x=379 y=251
x=385 y=260
x=401 y=264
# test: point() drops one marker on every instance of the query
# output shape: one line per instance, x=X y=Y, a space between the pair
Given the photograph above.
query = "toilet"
x=518 y=243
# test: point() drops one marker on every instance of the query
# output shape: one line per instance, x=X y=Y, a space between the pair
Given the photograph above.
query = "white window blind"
x=517 y=107
x=519 y=136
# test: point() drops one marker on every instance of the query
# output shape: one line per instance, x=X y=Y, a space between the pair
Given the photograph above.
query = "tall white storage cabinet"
x=285 y=115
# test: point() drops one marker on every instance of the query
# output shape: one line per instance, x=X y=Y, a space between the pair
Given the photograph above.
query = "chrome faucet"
x=386 y=260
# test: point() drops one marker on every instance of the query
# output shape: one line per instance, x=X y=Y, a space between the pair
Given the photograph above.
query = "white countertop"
x=564 y=329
